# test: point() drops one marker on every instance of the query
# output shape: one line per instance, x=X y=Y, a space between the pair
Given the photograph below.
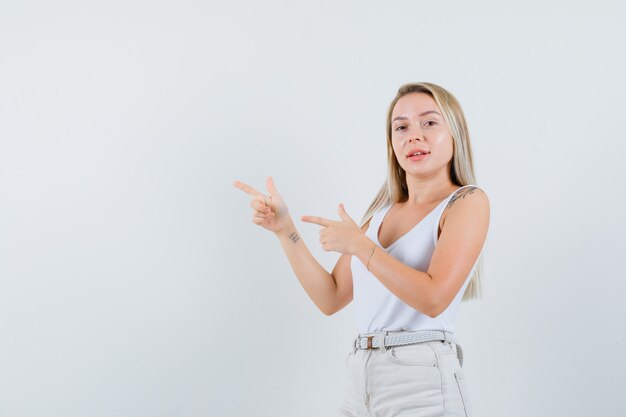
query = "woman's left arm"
x=462 y=237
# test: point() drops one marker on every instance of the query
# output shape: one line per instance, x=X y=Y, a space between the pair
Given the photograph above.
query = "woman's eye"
x=430 y=121
x=398 y=128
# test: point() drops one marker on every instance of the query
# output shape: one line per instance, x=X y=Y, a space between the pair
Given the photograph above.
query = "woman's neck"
x=426 y=192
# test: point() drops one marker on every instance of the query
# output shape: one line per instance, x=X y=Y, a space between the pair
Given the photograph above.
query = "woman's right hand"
x=270 y=212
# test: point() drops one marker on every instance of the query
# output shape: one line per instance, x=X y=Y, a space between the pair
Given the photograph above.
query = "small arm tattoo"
x=294 y=237
x=461 y=194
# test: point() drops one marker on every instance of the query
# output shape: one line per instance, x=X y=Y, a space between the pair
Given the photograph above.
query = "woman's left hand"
x=343 y=236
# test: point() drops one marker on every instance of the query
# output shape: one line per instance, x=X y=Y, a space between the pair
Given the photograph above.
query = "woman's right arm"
x=330 y=292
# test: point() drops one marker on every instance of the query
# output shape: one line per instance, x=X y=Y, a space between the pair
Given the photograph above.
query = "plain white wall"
x=132 y=280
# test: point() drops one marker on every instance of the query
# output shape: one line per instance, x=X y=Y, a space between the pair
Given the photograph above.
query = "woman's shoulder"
x=473 y=194
x=468 y=203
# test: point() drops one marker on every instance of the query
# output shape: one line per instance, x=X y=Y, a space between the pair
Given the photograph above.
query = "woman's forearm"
x=408 y=284
x=318 y=283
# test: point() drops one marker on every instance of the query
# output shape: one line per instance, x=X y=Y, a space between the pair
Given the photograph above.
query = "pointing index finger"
x=317 y=220
x=247 y=189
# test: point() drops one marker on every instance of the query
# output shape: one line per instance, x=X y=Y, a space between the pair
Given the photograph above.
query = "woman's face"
x=417 y=124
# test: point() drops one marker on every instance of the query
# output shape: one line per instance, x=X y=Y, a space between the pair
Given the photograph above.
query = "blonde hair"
x=461 y=170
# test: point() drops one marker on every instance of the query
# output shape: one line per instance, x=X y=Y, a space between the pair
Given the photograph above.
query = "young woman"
x=407 y=267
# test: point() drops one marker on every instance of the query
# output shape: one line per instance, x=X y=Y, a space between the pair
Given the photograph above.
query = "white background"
x=132 y=280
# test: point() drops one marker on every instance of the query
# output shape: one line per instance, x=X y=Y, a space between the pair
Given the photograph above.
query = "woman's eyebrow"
x=423 y=114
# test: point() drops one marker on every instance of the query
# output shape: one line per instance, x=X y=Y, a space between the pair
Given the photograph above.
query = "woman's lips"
x=418 y=157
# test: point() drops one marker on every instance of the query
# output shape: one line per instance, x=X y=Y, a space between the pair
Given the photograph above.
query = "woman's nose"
x=415 y=132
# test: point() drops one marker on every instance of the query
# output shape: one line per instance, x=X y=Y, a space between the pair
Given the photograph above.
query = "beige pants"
x=420 y=380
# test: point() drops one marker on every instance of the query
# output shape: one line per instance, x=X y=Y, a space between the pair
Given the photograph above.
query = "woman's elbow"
x=334 y=308
x=328 y=310
x=436 y=309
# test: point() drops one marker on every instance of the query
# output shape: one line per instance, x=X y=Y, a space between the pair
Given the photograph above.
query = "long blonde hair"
x=461 y=170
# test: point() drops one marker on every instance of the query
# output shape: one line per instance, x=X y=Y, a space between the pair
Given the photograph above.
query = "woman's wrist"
x=287 y=229
x=365 y=250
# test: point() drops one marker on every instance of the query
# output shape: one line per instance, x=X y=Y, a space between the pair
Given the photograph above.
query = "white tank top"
x=376 y=308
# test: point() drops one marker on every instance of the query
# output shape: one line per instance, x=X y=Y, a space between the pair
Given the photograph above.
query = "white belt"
x=373 y=340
